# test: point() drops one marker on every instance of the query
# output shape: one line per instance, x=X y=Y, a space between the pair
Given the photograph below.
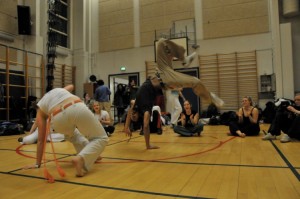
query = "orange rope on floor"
x=61 y=172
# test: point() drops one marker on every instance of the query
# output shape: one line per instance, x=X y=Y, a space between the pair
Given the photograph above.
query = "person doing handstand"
x=166 y=51
x=142 y=107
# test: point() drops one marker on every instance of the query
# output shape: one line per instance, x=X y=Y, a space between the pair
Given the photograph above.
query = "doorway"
x=123 y=78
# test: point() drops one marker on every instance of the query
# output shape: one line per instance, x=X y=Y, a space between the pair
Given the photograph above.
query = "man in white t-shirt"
x=66 y=112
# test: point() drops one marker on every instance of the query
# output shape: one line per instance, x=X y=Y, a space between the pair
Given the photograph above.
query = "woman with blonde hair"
x=247 y=123
x=103 y=117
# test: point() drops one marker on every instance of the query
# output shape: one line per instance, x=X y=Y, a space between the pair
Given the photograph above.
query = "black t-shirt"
x=188 y=122
x=145 y=98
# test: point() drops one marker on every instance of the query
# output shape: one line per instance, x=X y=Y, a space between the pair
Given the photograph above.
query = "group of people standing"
x=122 y=97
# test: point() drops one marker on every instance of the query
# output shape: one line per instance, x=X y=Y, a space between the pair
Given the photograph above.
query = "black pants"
x=109 y=129
x=248 y=129
x=294 y=130
x=155 y=124
x=286 y=122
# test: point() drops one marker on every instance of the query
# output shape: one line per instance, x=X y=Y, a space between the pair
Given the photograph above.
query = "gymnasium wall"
x=8 y=16
x=220 y=19
x=234 y=17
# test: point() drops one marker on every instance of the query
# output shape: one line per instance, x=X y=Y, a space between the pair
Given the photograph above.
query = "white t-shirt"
x=104 y=116
x=52 y=98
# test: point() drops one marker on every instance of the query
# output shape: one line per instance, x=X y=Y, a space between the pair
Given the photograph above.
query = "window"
x=58 y=21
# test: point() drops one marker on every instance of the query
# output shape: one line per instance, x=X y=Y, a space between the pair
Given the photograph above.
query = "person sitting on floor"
x=189 y=121
x=103 y=118
x=33 y=136
x=247 y=123
x=287 y=119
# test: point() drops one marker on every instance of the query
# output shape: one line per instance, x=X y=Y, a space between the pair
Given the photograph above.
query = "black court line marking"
x=113 y=188
x=132 y=138
x=291 y=167
x=42 y=163
x=197 y=163
x=160 y=161
x=201 y=164
x=9 y=139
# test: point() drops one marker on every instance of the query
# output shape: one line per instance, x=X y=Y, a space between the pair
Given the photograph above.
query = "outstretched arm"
x=69 y=88
x=33 y=127
x=181 y=95
x=127 y=122
x=128 y=119
x=41 y=121
x=146 y=130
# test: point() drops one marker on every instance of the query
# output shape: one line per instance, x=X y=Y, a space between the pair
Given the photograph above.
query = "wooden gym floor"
x=213 y=165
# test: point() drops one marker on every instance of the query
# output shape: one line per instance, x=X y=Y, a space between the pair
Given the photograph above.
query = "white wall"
x=133 y=59
x=296 y=50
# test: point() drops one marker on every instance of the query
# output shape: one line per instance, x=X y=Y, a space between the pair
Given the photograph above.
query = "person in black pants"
x=287 y=119
x=142 y=108
x=119 y=102
x=247 y=123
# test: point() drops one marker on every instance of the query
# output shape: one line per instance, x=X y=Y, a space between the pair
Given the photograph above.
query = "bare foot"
x=78 y=163
x=152 y=147
x=242 y=135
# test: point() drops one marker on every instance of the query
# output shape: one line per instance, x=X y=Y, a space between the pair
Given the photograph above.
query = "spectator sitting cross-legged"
x=189 y=121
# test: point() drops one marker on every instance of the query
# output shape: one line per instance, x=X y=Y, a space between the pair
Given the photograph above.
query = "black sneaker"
x=159 y=131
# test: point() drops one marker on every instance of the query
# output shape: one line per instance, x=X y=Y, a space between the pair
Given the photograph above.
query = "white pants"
x=173 y=106
x=157 y=108
x=32 y=138
x=90 y=139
